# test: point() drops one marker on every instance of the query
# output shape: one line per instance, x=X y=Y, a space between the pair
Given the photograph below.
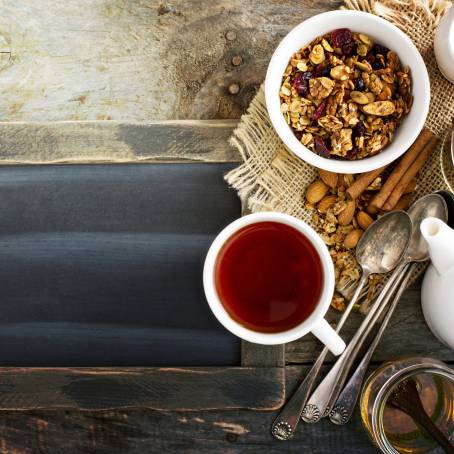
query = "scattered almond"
x=364 y=220
x=316 y=191
x=329 y=178
x=352 y=238
x=346 y=215
x=326 y=203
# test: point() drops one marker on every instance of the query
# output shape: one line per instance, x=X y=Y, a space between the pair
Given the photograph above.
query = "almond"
x=351 y=240
x=364 y=220
x=316 y=191
x=346 y=215
x=329 y=178
x=326 y=203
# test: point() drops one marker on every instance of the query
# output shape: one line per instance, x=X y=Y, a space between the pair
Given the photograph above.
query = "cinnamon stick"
x=411 y=187
x=362 y=182
x=407 y=160
x=399 y=189
x=404 y=202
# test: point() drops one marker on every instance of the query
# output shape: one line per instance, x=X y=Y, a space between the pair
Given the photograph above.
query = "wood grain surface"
x=116 y=142
x=406 y=334
x=138 y=60
x=141 y=61
x=169 y=389
x=137 y=432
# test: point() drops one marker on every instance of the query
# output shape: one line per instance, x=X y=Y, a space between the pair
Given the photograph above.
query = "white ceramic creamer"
x=437 y=295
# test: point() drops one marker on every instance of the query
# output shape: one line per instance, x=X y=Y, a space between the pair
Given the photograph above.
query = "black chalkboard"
x=101 y=265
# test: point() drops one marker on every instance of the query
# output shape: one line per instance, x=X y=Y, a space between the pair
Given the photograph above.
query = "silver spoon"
x=432 y=205
x=380 y=254
x=371 y=244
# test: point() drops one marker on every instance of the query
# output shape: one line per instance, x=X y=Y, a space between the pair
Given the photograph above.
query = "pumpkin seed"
x=359 y=97
x=317 y=54
x=364 y=66
x=365 y=39
x=326 y=45
x=380 y=108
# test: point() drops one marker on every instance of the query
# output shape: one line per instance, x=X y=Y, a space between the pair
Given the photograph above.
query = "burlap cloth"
x=271 y=178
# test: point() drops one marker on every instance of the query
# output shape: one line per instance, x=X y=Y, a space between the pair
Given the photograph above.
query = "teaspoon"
x=371 y=244
x=381 y=254
x=432 y=205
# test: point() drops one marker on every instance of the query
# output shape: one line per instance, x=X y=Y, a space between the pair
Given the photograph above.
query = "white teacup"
x=314 y=323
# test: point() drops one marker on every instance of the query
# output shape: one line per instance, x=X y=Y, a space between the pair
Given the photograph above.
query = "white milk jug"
x=437 y=295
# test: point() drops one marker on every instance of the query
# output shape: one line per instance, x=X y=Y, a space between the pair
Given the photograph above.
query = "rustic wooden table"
x=189 y=68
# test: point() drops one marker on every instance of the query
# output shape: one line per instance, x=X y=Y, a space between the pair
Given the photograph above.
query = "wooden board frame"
x=260 y=381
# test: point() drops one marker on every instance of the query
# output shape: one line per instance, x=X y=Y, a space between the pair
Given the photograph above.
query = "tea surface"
x=269 y=277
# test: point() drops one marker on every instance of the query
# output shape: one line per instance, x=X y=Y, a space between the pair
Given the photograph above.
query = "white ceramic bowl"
x=381 y=31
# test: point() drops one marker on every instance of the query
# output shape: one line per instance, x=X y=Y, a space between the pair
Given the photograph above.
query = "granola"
x=344 y=96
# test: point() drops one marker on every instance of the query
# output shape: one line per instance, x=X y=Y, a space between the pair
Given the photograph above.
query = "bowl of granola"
x=347 y=91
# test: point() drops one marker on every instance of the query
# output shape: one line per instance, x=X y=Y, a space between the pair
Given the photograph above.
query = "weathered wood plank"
x=136 y=432
x=262 y=355
x=407 y=333
x=175 y=389
x=138 y=60
x=106 y=141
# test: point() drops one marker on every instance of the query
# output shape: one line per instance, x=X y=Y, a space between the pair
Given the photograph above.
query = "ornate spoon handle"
x=331 y=385
x=345 y=405
x=285 y=424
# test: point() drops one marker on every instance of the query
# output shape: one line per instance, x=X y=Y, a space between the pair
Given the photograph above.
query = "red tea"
x=269 y=277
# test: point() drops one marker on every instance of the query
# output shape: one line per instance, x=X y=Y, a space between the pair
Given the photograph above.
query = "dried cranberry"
x=299 y=135
x=349 y=49
x=359 y=84
x=341 y=37
x=346 y=94
x=318 y=112
x=320 y=147
x=301 y=82
x=370 y=57
x=359 y=130
x=321 y=70
x=379 y=49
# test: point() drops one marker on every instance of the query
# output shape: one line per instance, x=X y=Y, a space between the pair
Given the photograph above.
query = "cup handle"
x=326 y=334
